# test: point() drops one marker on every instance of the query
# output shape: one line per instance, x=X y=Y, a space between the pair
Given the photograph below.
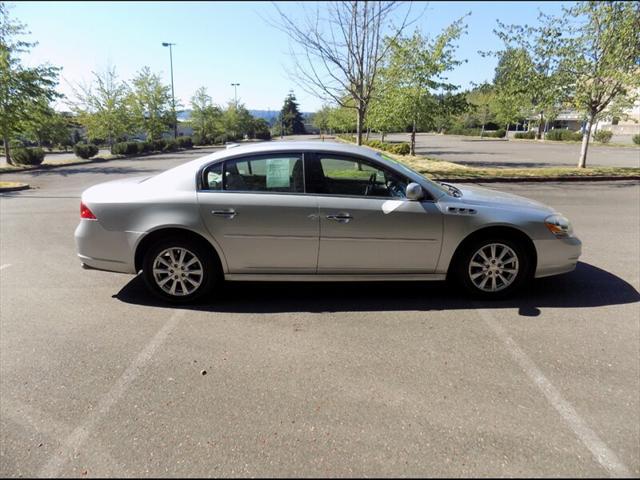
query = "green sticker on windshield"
x=278 y=173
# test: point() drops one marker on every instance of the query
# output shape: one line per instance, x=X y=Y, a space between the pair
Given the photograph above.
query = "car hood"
x=473 y=195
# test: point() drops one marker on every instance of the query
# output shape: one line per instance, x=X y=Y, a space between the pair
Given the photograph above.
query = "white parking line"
x=2 y=267
x=72 y=444
x=602 y=454
x=36 y=421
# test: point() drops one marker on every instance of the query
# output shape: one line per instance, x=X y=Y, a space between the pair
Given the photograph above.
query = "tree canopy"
x=24 y=91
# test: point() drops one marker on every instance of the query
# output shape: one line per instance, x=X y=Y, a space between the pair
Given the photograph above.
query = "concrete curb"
x=586 y=178
x=23 y=186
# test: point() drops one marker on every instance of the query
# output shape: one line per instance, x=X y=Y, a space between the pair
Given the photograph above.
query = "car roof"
x=291 y=145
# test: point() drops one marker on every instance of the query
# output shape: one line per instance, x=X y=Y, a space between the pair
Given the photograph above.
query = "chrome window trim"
x=200 y=180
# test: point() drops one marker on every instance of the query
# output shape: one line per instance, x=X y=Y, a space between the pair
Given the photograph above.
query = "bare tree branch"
x=339 y=56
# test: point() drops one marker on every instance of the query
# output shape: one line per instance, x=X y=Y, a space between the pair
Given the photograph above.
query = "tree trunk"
x=546 y=128
x=382 y=136
x=413 y=139
x=506 y=132
x=7 y=153
x=368 y=133
x=360 y=124
x=539 y=135
x=582 y=162
x=482 y=131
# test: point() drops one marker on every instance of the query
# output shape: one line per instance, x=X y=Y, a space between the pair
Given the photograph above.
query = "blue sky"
x=223 y=42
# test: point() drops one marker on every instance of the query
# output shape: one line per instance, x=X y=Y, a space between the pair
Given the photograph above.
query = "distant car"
x=315 y=211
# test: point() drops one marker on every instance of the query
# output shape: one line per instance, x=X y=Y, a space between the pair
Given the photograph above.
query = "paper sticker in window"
x=278 y=173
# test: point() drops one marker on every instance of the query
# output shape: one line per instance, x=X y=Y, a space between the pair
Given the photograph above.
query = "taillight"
x=86 y=213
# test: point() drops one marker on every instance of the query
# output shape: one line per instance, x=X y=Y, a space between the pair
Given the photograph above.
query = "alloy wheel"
x=493 y=267
x=178 y=271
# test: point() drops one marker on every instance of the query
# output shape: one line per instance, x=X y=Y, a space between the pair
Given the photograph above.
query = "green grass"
x=437 y=169
x=441 y=169
x=11 y=184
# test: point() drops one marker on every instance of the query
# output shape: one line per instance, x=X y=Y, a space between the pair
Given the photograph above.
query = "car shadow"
x=587 y=286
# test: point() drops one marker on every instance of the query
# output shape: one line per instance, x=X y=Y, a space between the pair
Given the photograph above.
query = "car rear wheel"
x=493 y=267
x=180 y=270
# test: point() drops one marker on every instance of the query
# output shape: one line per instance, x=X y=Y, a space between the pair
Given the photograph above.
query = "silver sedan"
x=311 y=211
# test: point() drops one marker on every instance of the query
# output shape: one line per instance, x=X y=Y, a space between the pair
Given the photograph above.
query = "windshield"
x=402 y=166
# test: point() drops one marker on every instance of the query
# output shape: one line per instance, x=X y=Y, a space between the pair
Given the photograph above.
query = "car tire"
x=181 y=270
x=493 y=268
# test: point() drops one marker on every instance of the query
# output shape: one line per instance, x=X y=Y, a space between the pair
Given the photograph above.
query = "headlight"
x=559 y=225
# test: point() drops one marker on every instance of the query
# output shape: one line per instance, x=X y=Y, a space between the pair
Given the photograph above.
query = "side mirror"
x=414 y=191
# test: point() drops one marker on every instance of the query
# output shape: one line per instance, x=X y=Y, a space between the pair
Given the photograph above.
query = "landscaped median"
x=443 y=170
x=454 y=172
x=64 y=163
x=13 y=186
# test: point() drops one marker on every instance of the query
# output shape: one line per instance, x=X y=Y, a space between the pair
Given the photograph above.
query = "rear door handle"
x=227 y=213
x=340 y=217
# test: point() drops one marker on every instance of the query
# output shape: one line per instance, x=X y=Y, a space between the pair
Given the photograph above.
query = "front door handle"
x=227 y=213
x=340 y=217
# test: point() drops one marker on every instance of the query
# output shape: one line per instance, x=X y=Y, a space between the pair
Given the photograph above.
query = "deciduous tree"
x=102 y=106
x=602 y=55
x=150 y=103
x=340 y=48
x=23 y=90
x=206 y=117
x=416 y=68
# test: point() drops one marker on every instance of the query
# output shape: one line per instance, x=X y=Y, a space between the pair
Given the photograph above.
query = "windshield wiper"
x=455 y=191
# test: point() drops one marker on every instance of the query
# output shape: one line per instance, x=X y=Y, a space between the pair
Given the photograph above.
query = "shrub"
x=500 y=133
x=531 y=134
x=158 y=145
x=185 y=142
x=28 y=156
x=636 y=139
x=263 y=135
x=400 y=148
x=140 y=147
x=170 y=146
x=84 y=150
x=470 y=132
x=124 y=148
x=563 y=135
x=220 y=139
x=603 y=136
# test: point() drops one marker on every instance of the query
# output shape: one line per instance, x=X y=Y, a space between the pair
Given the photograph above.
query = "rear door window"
x=272 y=173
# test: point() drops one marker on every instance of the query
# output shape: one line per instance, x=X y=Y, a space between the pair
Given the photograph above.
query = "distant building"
x=575 y=121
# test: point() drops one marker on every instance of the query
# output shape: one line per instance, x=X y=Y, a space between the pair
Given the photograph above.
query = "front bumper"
x=557 y=255
x=105 y=250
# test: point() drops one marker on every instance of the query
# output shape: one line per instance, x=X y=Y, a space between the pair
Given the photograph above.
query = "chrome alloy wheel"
x=177 y=271
x=493 y=267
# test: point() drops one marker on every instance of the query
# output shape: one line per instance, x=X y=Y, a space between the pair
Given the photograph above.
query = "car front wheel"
x=493 y=268
x=180 y=270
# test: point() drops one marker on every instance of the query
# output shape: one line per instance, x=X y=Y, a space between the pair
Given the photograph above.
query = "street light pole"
x=235 y=93
x=173 y=97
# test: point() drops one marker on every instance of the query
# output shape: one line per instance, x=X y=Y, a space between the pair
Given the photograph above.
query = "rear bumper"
x=105 y=250
x=557 y=255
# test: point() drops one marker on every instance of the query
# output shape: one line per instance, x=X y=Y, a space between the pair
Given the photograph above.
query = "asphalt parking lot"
x=99 y=379
x=478 y=152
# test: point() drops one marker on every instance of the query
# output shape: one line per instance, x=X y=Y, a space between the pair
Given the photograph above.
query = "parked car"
x=316 y=211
